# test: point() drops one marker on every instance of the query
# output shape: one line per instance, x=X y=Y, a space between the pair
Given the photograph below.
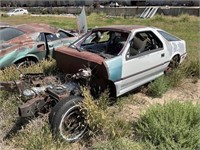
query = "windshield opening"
x=105 y=43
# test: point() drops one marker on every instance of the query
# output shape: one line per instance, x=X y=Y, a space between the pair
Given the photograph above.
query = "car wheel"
x=67 y=120
x=173 y=64
x=25 y=63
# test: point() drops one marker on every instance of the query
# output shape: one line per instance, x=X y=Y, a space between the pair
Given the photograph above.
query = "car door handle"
x=163 y=54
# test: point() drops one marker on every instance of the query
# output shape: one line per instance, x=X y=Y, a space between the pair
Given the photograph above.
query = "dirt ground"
x=189 y=90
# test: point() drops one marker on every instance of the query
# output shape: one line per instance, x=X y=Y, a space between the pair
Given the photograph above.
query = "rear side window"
x=168 y=36
x=7 y=34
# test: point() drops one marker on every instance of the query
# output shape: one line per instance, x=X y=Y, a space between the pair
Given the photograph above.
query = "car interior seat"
x=137 y=46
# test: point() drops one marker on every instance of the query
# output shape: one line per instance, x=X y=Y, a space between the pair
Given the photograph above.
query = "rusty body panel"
x=33 y=27
x=29 y=108
x=30 y=42
x=70 y=61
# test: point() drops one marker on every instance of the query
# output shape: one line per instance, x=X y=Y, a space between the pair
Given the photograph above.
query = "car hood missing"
x=70 y=61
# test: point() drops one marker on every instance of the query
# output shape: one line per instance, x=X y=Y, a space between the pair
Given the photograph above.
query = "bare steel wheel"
x=67 y=120
x=25 y=63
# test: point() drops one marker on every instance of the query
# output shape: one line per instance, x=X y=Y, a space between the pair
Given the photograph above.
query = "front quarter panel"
x=114 y=68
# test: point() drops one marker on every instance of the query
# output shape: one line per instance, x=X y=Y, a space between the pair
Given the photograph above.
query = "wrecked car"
x=124 y=57
x=30 y=43
x=118 y=58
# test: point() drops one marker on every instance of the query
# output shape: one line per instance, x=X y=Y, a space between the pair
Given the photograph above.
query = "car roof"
x=125 y=28
x=33 y=27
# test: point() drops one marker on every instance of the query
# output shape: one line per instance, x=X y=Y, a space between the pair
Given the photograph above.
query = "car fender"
x=178 y=48
x=174 y=54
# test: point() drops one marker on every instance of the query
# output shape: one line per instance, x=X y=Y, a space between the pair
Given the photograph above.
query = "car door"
x=21 y=12
x=143 y=61
x=16 y=12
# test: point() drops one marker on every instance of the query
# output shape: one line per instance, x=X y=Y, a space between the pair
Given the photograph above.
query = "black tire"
x=174 y=63
x=67 y=121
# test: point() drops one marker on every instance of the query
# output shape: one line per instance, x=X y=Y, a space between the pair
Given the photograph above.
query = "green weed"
x=112 y=130
x=161 y=85
x=184 y=18
x=45 y=66
x=175 y=78
x=173 y=125
x=100 y=121
x=192 y=69
x=158 y=87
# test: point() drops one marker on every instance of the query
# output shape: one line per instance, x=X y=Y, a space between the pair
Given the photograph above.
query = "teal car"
x=29 y=43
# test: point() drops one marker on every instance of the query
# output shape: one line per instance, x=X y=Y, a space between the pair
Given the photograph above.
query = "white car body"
x=17 y=11
x=126 y=56
x=148 y=66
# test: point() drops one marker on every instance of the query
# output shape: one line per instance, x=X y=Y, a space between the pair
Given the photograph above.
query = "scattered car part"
x=66 y=119
x=123 y=56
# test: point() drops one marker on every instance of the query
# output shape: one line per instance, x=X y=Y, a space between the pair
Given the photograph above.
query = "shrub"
x=45 y=66
x=99 y=120
x=158 y=87
x=8 y=75
x=173 y=125
x=192 y=69
x=49 y=66
x=184 y=18
x=175 y=78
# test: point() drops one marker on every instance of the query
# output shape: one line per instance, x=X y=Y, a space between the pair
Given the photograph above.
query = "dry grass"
x=36 y=134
